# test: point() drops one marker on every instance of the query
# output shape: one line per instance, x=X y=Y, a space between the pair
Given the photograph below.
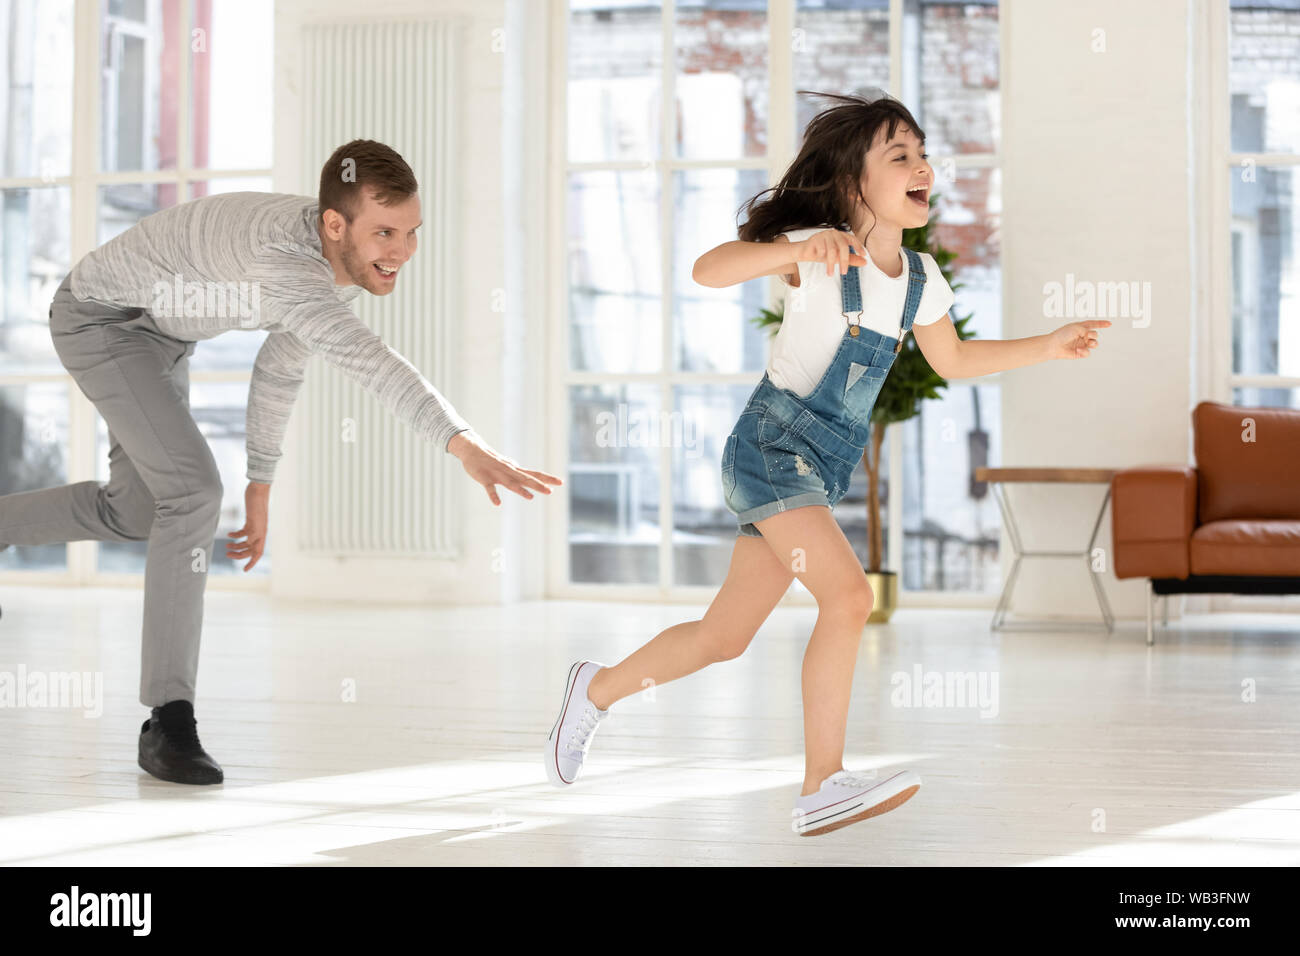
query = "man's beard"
x=358 y=271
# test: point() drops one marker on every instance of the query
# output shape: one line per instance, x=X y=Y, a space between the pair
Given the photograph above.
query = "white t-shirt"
x=813 y=323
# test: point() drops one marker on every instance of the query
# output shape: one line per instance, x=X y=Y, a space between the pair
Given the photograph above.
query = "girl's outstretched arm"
x=972 y=358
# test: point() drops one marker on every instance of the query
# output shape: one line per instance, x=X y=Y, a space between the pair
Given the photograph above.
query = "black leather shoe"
x=170 y=748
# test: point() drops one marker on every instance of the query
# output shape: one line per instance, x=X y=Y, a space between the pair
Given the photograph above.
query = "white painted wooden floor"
x=1102 y=751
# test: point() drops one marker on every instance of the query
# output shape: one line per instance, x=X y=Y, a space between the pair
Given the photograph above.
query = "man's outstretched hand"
x=490 y=469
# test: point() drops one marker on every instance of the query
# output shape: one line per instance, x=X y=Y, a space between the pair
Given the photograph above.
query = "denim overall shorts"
x=788 y=451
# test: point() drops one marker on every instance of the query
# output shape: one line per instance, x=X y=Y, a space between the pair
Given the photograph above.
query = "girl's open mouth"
x=920 y=195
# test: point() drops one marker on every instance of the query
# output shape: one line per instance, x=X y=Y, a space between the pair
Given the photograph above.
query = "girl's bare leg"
x=755 y=584
x=828 y=567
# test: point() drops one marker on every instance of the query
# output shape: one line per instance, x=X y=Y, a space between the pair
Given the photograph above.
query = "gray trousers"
x=164 y=486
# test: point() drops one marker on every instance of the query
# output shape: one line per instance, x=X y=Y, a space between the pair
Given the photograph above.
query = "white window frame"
x=83 y=184
x=1208 y=35
x=1216 y=379
x=123 y=28
x=782 y=148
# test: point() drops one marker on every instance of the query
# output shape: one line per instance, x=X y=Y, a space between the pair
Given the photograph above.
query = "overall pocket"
x=861 y=393
x=729 y=467
x=775 y=433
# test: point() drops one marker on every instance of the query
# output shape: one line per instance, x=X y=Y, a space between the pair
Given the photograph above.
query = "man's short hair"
x=364 y=163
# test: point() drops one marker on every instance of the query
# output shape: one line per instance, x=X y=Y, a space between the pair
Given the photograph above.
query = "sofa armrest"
x=1153 y=515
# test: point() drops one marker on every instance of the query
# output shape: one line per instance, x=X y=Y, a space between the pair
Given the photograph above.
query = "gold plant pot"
x=884 y=585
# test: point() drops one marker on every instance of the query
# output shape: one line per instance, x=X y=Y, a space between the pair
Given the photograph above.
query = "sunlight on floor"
x=1263 y=833
x=296 y=821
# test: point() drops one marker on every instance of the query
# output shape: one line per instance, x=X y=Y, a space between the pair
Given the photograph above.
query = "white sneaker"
x=847 y=797
x=571 y=736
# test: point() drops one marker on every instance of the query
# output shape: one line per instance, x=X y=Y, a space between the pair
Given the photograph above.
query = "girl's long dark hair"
x=825 y=178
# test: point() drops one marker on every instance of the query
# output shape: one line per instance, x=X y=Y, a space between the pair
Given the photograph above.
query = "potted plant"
x=911 y=380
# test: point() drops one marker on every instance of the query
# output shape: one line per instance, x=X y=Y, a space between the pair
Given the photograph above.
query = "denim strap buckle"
x=851 y=298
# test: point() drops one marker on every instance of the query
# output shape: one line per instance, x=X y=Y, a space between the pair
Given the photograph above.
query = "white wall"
x=1096 y=181
x=494 y=564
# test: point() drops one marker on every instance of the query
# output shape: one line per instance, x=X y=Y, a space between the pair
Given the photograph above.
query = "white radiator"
x=370 y=484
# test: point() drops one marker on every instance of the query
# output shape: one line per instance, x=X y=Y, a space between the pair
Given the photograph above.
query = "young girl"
x=789 y=459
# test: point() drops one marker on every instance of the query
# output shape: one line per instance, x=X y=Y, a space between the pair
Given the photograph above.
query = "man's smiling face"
x=377 y=243
x=897 y=178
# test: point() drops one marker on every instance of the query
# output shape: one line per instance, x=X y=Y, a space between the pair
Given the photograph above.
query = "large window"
x=1263 y=161
x=675 y=117
x=951 y=523
x=182 y=103
x=666 y=139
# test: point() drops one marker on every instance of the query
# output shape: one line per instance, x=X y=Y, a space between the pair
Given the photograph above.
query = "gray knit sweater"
x=253 y=261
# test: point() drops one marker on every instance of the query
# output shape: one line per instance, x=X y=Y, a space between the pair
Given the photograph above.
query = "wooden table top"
x=1005 y=475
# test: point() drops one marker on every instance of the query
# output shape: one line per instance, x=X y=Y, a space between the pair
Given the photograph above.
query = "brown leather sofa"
x=1228 y=525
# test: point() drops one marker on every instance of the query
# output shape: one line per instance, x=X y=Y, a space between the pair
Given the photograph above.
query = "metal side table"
x=1003 y=476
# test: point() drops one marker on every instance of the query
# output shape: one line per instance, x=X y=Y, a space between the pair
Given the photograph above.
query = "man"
x=124 y=324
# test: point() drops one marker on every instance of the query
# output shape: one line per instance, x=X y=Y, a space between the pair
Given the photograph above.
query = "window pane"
x=230 y=184
x=34 y=254
x=123 y=205
x=957 y=69
x=140 y=60
x=615 y=64
x=1267 y=397
x=1264 y=77
x=951 y=523
x=127 y=8
x=967 y=220
x=614 y=443
x=231 y=52
x=721 y=82
x=33 y=449
x=218 y=409
x=713 y=329
x=36 y=96
x=838 y=47
x=615 y=303
x=704 y=530
x=1265 y=296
